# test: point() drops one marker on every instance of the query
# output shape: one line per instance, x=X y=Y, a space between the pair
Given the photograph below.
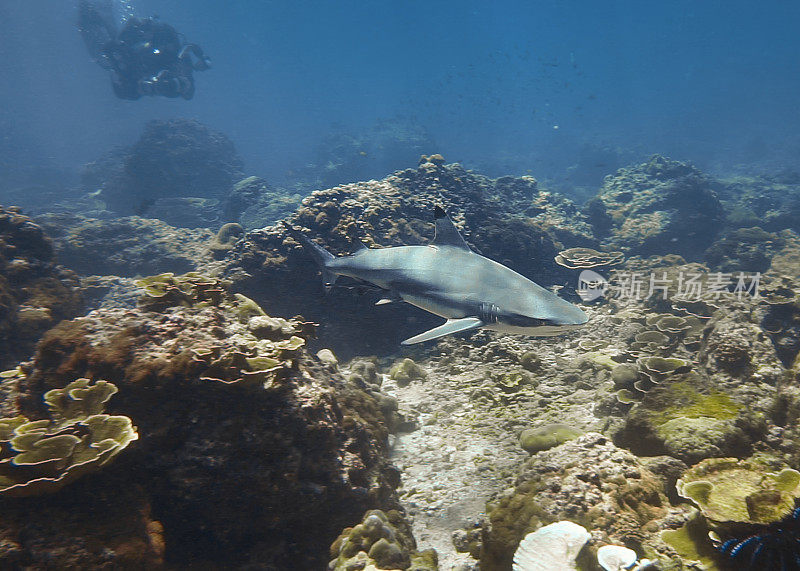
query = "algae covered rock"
x=175 y=158
x=42 y=456
x=405 y=371
x=225 y=239
x=128 y=246
x=690 y=420
x=534 y=440
x=35 y=293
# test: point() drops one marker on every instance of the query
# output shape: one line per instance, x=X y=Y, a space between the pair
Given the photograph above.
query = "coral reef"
x=658 y=207
x=35 y=293
x=389 y=145
x=747 y=518
x=308 y=446
x=687 y=421
x=728 y=490
x=770 y=202
x=744 y=250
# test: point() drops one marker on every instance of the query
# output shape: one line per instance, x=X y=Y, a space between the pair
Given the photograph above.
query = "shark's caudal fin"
x=450 y=326
x=321 y=256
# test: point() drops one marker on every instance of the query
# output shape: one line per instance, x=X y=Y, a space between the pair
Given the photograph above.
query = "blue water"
x=507 y=87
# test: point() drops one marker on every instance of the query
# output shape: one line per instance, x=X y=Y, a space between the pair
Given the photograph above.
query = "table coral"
x=731 y=490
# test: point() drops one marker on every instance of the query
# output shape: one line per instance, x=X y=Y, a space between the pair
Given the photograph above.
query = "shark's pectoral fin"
x=450 y=326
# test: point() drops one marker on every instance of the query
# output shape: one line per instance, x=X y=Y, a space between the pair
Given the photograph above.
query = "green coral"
x=534 y=440
x=42 y=456
x=383 y=541
x=732 y=490
x=691 y=542
x=511 y=381
x=405 y=371
x=225 y=239
x=658 y=369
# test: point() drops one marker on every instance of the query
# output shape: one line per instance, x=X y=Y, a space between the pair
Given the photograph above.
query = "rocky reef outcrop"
x=127 y=246
x=248 y=445
x=658 y=207
x=508 y=219
x=175 y=158
x=35 y=293
x=770 y=202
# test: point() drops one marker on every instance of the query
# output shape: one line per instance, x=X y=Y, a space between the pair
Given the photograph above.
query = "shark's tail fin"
x=321 y=256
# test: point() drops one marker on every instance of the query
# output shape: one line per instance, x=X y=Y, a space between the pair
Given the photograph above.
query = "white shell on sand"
x=551 y=548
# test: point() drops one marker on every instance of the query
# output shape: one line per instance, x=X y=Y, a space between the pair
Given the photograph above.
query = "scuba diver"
x=146 y=57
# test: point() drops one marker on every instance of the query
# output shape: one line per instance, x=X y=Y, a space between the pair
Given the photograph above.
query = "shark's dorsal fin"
x=446 y=232
x=446 y=328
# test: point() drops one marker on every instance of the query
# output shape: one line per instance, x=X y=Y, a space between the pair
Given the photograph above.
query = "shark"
x=447 y=278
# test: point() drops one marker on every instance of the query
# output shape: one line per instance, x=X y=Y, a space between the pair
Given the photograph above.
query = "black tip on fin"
x=439 y=212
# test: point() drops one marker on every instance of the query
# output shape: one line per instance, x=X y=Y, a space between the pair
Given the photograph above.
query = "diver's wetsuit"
x=147 y=57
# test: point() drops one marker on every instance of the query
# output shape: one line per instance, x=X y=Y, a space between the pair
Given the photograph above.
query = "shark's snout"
x=569 y=315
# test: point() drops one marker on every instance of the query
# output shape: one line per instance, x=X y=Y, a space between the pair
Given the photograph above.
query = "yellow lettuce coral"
x=41 y=456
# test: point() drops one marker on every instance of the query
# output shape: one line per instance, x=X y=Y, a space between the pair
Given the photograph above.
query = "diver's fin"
x=450 y=326
x=321 y=256
x=389 y=297
x=446 y=232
